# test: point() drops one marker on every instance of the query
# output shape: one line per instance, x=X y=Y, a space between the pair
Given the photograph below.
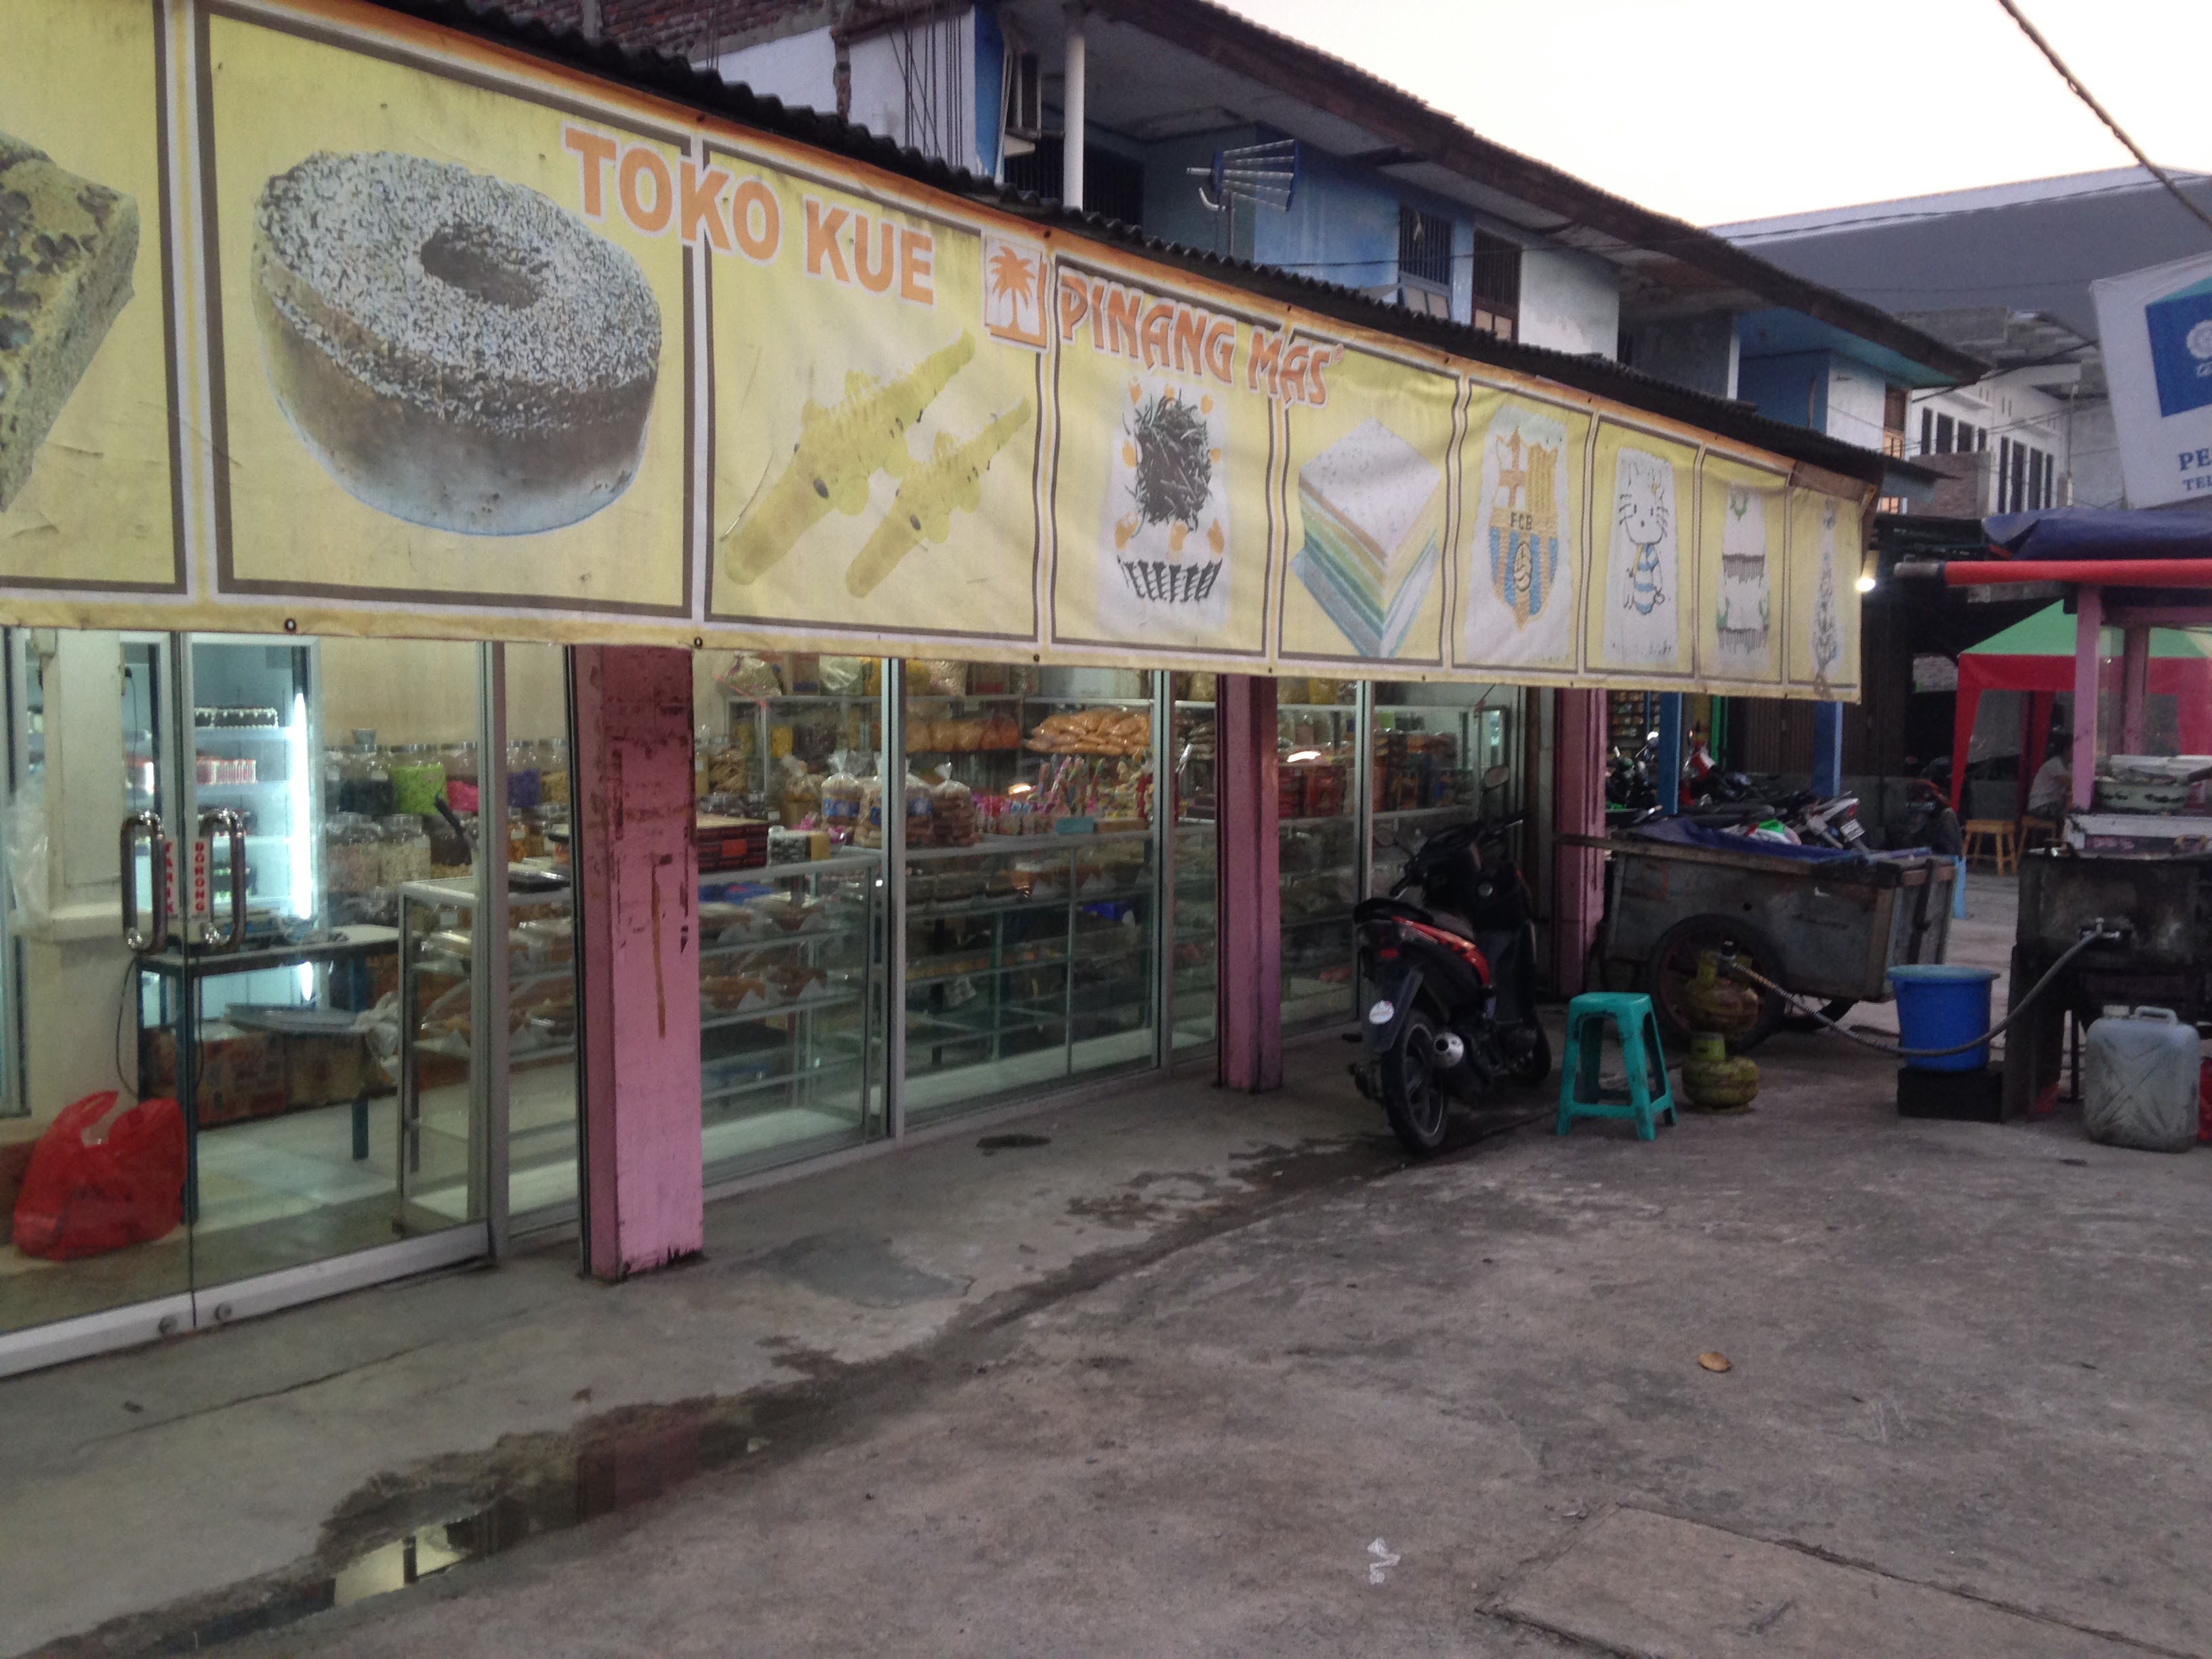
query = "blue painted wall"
x=1791 y=388
x=1172 y=209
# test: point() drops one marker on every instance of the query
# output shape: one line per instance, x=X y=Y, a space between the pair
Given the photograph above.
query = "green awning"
x=2050 y=633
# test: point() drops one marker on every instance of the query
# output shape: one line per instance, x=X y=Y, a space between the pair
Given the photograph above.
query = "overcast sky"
x=1717 y=110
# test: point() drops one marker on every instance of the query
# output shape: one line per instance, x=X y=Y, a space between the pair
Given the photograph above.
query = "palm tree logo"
x=1013 y=293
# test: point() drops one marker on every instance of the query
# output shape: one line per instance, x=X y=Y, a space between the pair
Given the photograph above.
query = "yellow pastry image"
x=950 y=480
x=840 y=450
x=67 y=246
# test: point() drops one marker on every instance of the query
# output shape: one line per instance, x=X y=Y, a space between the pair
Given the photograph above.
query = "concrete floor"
x=1209 y=1375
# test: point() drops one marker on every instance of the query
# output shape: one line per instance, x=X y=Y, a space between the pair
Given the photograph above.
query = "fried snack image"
x=839 y=451
x=67 y=247
x=950 y=480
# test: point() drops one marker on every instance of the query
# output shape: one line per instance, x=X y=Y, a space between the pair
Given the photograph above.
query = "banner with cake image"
x=1366 y=476
x=1742 y=521
x=451 y=356
x=87 y=491
x=1643 y=520
x=1162 y=532
x=1524 y=467
x=1827 y=547
x=877 y=384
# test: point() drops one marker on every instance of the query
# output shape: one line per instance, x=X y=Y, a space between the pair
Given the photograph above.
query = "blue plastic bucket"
x=1941 y=1007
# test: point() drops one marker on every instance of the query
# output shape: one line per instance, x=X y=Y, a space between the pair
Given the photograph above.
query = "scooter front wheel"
x=1413 y=1098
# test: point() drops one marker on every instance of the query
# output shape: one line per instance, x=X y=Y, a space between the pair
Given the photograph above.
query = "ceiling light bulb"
x=1866 y=584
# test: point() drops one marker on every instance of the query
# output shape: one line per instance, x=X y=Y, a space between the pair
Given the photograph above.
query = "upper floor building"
x=1354 y=182
x=2002 y=274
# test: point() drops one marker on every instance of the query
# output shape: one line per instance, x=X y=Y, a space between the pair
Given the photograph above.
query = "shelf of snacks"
x=790 y=1010
x=436 y=1001
x=1011 y=955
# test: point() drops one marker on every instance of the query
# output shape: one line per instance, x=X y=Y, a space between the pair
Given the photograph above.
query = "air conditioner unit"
x=1026 y=98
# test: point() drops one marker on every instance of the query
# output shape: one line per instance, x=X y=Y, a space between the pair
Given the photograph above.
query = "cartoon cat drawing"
x=1640 y=627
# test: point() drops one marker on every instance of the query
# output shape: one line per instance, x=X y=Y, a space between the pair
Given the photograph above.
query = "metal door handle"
x=233 y=824
x=141 y=940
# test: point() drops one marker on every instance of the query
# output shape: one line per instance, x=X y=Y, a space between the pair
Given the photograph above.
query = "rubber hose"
x=2049 y=973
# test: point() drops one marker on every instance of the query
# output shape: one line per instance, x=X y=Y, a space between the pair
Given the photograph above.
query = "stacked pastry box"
x=1414 y=769
x=1310 y=788
x=727 y=843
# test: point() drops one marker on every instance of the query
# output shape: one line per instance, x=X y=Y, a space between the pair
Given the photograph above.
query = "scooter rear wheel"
x=1533 y=1067
x=1413 y=1098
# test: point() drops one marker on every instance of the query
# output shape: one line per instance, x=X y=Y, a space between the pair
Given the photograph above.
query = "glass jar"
x=451 y=855
x=459 y=760
x=403 y=850
x=364 y=781
x=350 y=855
x=418 y=778
x=526 y=778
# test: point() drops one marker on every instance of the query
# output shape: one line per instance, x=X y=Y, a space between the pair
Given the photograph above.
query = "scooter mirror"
x=1496 y=777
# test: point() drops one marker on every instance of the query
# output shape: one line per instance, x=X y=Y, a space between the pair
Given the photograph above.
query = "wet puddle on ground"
x=400 y=1530
x=396 y=1533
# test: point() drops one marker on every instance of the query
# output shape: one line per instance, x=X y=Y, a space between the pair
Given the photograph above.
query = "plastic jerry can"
x=2139 y=1076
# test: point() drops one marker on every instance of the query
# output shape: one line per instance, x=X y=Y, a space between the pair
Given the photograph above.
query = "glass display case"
x=1317 y=803
x=1431 y=748
x=790 y=1029
x=1032 y=879
x=792 y=926
x=1193 y=975
x=441 y=1124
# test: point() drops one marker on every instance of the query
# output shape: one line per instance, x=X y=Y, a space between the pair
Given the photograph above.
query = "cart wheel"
x=1673 y=963
x=1833 y=1012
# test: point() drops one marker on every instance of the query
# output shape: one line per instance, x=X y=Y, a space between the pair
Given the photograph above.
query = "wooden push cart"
x=1829 y=931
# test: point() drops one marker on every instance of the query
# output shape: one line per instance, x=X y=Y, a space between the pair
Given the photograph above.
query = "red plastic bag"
x=87 y=1192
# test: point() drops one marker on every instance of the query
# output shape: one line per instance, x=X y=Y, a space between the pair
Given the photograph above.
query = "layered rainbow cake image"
x=1373 y=513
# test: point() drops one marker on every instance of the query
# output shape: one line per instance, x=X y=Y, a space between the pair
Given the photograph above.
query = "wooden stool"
x=1994 y=837
x=2037 y=832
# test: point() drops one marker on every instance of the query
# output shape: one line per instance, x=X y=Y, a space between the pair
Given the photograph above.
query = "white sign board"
x=2157 y=332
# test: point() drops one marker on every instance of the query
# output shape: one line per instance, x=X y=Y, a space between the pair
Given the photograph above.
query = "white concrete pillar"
x=1072 y=116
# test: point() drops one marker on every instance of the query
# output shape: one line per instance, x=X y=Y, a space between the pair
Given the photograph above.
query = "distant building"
x=1393 y=197
x=2004 y=274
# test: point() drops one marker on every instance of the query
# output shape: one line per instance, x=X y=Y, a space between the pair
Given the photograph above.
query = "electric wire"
x=2073 y=84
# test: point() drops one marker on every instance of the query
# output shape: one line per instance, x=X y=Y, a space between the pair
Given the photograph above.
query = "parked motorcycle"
x=1453 y=983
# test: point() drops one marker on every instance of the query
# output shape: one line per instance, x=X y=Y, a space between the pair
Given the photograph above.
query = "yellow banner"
x=318 y=319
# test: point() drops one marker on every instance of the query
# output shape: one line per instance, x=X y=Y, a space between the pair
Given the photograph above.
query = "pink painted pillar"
x=637 y=881
x=1249 y=927
x=2088 y=664
x=2135 y=683
x=1578 y=809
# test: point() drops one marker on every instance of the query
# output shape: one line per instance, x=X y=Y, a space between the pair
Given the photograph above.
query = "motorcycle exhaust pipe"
x=1450 y=1049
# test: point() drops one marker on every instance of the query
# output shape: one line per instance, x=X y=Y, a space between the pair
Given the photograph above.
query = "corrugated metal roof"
x=671 y=76
x=2032 y=246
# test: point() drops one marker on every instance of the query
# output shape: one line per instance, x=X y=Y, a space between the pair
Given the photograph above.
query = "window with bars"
x=1425 y=250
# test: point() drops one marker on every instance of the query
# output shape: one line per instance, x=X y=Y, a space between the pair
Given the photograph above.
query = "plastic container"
x=1941 y=1005
x=2139 y=1081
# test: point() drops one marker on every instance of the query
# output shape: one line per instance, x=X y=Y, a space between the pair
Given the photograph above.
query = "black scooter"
x=1452 y=982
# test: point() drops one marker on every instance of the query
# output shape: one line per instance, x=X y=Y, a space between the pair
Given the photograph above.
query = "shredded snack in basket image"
x=1168 y=490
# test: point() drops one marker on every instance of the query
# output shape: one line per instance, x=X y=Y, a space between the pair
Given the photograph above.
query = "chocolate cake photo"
x=67 y=247
x=454 y=350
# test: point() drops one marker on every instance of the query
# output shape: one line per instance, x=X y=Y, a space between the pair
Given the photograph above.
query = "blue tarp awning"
x=2100 y=532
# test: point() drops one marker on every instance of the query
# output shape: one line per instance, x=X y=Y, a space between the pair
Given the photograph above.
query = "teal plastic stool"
x=1649 y=1096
